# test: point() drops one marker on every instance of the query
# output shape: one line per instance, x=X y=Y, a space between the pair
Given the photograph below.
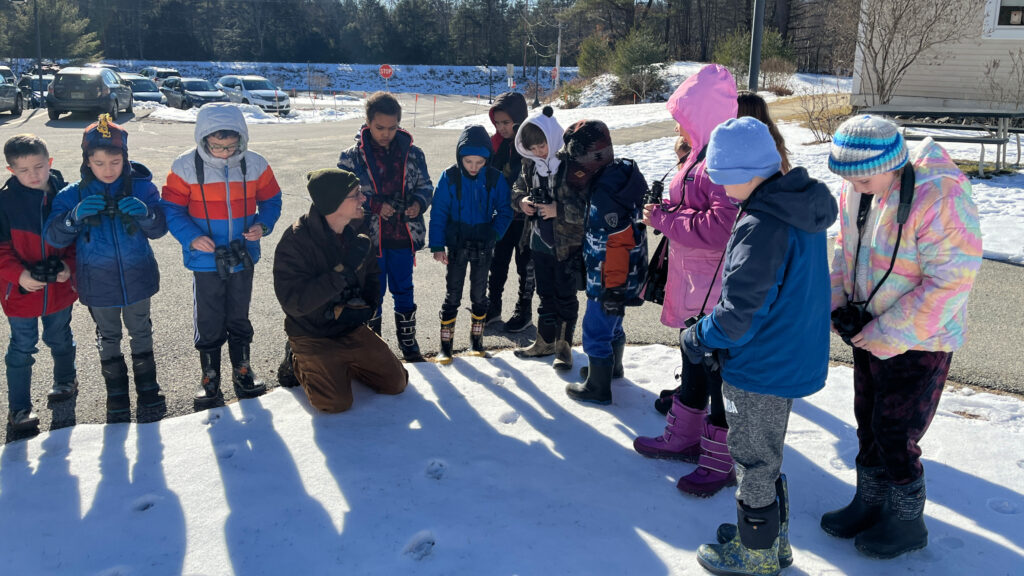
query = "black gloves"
x=695 y=350
x=613 y=301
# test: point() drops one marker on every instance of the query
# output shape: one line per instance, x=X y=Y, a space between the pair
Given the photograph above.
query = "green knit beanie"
x=329 y=187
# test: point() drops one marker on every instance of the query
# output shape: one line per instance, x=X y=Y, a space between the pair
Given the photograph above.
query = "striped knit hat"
x=865 y=146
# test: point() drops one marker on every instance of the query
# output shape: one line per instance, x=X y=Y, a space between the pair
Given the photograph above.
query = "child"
x=769 y=332
x=110 y=216
x=221 y=198
x=555 y=234
x=34 y=280
x=469 y=213
x=904 y=316
x=393 y=174
x=507 y=114
x=614 y=251
x=751 y=104
x=696 y=220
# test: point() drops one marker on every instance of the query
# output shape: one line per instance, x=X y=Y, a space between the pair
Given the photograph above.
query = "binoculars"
x=849 y=320
x=111 y=210
x=655 y=194
x=46 y=270
x=400 y=204
x=231 y=256
x=540 y=195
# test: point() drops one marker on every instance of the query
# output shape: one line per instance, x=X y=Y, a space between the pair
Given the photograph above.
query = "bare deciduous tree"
x=896 y=34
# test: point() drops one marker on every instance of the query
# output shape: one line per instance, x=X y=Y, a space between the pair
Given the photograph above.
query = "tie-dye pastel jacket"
x=922 y=305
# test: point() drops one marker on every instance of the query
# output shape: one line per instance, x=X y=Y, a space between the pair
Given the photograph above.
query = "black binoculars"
x=655 y=194
x=850 y=319
x=400 y=204
x=112 y=211
x=230 y=257
x=46 y=270
x=540 y=195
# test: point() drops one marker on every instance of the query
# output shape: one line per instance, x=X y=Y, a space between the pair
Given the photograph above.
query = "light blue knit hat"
x=741 y=149
x=867 y=145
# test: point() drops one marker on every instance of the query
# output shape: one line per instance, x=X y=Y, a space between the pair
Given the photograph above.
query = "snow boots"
x=618 y=349
x=563 y=346
x=866 y=508
x=247 y=385
x=286 y=371
x=493 y=310
x=447 y=335
x=900 y=527
x=209 y=394
x=681 y=439
x=476 y=335
x=715 y=468
x=61 y=391
x=753 y=551
x=24 y=420
x=597 y=388
x=405 y=327
x=147 y=390
x=115 y=375
x=522 y=317
x=544 y=345
x=727 y=532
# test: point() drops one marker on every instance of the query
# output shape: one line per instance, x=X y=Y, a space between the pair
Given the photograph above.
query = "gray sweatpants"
x=108 y=328
x=757 y=435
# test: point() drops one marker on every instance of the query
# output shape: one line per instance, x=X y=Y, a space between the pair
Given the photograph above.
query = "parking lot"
x=991 y=357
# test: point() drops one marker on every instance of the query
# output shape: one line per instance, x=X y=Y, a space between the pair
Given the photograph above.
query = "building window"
x=1011 y=13
x=1004 y=20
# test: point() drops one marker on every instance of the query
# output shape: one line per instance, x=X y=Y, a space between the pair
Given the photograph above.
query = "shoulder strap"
x=492 y=178
x=907 y=184
x=455 y=176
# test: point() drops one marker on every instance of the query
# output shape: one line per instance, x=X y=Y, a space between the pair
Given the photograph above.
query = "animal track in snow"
x=1020 y=463
x=951 y=543
x=436 y=469
x=211 y=418
x=503 y=378
x=144 y=503
x=226 y=452
x=420 y=546
x=509 y=417
x=1003 y=506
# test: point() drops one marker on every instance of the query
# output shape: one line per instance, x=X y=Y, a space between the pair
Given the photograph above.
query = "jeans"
x=478 y=260
x=24 y=336
x=396 y=273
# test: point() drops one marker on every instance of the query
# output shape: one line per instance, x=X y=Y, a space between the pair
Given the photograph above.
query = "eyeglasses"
x=218 y=148
x=357 y=194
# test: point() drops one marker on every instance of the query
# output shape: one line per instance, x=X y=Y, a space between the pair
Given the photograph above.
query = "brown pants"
x=325 y=367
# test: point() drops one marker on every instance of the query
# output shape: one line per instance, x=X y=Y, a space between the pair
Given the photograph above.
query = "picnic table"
x=999 y=134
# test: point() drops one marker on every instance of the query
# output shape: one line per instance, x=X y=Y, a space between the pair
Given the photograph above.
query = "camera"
x=46 y=270
x=655 y=194
x=850 y=319
x=229 y=257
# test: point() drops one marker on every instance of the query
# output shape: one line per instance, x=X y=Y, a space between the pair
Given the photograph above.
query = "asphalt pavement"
x=991 y=358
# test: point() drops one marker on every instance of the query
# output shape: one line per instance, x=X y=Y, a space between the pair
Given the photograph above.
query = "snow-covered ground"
x=481 y=467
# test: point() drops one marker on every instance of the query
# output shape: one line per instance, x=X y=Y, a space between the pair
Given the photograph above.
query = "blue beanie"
x=867 y=145
x=741 y=149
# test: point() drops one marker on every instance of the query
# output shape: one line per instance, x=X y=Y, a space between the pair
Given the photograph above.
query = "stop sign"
x=554 y=73
x=386 y=71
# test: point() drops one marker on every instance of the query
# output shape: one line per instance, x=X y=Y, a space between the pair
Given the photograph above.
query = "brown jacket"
x=572 y=209
x=312 y=294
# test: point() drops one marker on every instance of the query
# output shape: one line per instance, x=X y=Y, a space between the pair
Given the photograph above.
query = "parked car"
x=33 y=90
x=255 y=90
x=186 y=93
x=103 y=65
x=143 y=89
x=10 y=97
x=158 y=74
x=88 y=90
x=6 y=74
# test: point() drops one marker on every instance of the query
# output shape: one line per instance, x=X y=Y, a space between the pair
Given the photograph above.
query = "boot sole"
x=207 y=403
x=705 y=493
x=515 y=329
x=589 y=400
x=241 y=393
x=25 y=427
x=889 y=555
x=722 y=572
x=62 y=396
x=688 y=458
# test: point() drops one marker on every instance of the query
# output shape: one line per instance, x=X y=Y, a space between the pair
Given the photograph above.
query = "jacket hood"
x=931 y=162
x=221 y=116
x=511 y=103
x=796 y=199
x=474 y=141
x=702 y=102
x=552 y=132
x=137 y=170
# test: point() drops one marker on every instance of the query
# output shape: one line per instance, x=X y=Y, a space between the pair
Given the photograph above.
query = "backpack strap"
x=907 y=184
x=455 y=176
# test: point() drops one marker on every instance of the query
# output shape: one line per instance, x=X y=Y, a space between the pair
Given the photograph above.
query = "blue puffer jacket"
x=615 y=241
x=479 y=213
x=114 y=268
x=771 y=323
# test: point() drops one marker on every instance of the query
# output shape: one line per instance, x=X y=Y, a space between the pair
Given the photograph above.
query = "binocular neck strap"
x=682 y=195
x=862 y=216
x=201 y=178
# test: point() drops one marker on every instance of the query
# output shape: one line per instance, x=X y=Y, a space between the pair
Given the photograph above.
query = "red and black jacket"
x=22 y=214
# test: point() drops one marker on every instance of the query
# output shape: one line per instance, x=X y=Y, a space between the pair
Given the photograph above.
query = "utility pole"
x=558 y=58
x=755 y=45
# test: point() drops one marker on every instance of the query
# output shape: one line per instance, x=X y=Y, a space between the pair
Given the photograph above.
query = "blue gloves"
x=695 y=350
x=133 y=207
x=90 y=206
x=613 y=301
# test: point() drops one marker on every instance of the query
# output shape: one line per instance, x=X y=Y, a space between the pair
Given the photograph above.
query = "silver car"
x=255 y=90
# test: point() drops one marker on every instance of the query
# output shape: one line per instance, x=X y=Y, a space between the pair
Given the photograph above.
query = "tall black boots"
x=405 y=327
x=754 y=550
x=147 y=389
x=115 y=375
x=286 y=371
x=209 y=394
x=900 y=527
x=447 y=335
x=597 y=388
x=247 y=385
x=865 y=509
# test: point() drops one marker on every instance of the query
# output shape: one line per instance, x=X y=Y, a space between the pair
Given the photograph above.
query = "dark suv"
x=88 y=90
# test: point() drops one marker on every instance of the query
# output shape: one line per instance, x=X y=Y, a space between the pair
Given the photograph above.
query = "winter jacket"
x=472 y=210
x=307 y=285
x=550 y=171
x=615 y=248
x=219 y=197
x=505 y=158
x=922 y=305
x=697 y=218
x=771 y=324
x=415 y=185
x=115 y=266
x=23 y=213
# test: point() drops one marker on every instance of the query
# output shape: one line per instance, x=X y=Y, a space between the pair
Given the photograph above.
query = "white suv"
x=255 y=90
x=157 y=74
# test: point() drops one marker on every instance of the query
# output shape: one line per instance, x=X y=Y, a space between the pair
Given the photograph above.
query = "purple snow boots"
x=715 y=469
x=681 y=439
